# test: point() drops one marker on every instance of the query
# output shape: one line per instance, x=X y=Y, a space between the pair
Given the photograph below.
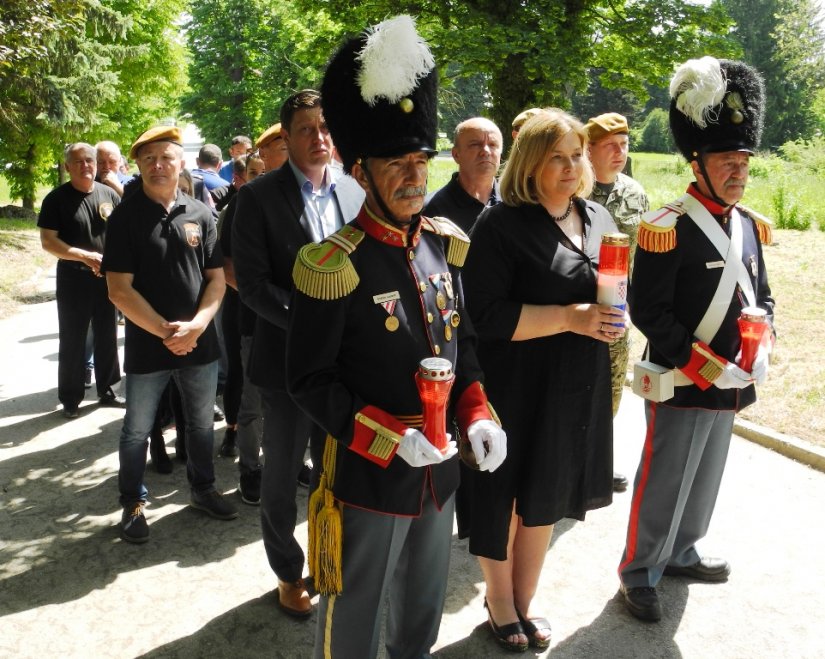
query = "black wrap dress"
x=552 y=393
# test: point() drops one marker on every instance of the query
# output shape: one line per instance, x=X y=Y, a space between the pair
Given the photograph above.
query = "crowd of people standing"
x=315 y=261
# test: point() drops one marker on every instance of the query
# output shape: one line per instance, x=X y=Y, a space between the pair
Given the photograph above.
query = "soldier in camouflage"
x=625 y=200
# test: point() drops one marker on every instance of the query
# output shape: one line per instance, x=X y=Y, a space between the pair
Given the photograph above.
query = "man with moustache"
x=477 y=151
x=277 y=213
x=164 y=270
x=698 y=264
x=372 y=301
x=73 y=222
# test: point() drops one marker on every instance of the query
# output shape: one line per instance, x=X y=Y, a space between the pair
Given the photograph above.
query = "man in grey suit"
x=303 y=201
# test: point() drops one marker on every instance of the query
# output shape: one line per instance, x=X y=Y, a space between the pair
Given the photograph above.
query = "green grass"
x=441 y=169
x=665 y=177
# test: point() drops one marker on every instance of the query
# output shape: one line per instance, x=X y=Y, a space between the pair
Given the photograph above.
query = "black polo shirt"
x=78 y=217
x=453 y=202
x=167 y=253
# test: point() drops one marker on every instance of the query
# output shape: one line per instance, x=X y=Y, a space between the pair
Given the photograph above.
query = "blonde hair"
x=521 y=180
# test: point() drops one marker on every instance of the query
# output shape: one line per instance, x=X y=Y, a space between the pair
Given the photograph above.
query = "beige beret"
x=270 y=134
x=606 y=124
x=521 y=117
x=157 y=134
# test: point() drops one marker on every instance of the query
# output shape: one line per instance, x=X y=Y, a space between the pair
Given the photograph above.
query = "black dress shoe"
x=714 y=570
x=642 y=602
x=111 y=399
x=619 y=482
x=70 y=411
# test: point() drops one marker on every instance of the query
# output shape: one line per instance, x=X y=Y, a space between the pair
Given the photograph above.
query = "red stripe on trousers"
x=638 y=494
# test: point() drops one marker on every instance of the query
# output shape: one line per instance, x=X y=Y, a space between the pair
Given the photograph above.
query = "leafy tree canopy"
x=75 y=70
x=784 y=40
x=539 y=52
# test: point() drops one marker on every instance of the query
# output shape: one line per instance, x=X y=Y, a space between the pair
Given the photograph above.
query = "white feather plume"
x=698 y=87
x=394 y=58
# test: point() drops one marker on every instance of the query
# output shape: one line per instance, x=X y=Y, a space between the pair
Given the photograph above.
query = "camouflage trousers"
x=619 y=352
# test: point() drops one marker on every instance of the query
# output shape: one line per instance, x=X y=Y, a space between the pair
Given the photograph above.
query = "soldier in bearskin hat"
x=698 y=264
x=372 y=301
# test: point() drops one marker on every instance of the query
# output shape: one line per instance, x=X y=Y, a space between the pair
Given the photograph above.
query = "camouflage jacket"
x=625 y=202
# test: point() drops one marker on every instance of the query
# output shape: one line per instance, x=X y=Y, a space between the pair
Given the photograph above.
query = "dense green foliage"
x=654 y=133
x=540 y=52
x=80 y=70
x=784 y=40
x=247 y=57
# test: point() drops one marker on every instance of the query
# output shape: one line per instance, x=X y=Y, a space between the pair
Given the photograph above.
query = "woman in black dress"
x=530 y=283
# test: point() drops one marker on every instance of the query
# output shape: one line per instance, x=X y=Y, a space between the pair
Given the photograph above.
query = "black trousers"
x=233 y=385
x=83 y=298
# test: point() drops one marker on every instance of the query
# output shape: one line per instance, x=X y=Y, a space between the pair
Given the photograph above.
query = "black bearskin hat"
x=379 y=94
x=716 y=105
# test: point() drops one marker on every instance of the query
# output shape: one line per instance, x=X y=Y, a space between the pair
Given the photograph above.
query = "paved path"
x=202 y=588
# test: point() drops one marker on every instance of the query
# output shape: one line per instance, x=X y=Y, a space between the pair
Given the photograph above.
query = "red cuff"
x=376 y=435
x=472 y=405
x=704 y=365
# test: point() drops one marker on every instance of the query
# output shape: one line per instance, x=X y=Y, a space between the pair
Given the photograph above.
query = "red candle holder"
x=753 y=323
x=614 y=256
x=434 y=380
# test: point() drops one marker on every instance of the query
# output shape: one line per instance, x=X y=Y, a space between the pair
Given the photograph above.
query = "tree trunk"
x=512 y=92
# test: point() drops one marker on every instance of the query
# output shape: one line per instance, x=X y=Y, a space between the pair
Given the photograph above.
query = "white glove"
x=759 y=370
x=417 y=451
x=733 y=377
x=485 y=434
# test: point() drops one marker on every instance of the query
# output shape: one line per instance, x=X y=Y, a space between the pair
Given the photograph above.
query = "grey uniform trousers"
x=405 y=558
x=675 y=489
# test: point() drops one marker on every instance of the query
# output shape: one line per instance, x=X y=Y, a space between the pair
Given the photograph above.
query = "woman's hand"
x=598 y=321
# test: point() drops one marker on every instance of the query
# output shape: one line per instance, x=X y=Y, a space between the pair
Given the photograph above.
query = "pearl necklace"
x=562 y=218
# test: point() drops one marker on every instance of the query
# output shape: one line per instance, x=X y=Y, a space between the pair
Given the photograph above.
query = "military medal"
x=455 y=319
x=448 y=285
x=388 y=302
x=446 y=316
x=440 y=298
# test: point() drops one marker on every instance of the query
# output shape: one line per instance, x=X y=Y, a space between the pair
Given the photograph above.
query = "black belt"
x=74 y=265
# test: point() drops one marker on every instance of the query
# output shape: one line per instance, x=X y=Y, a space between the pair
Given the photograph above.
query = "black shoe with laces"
x=228 y=448
x=642 y=602
x=214 y=504
x=133 y=526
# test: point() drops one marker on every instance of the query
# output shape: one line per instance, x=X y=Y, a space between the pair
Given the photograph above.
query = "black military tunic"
x=351 y=360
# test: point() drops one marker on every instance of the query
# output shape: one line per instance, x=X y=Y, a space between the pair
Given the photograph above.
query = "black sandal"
x=532 y=626
x=510 y=629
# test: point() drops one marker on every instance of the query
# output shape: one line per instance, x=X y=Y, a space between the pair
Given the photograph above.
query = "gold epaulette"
x=764 y=225
x=458 y=241
x=324 y=270
x=657 y=230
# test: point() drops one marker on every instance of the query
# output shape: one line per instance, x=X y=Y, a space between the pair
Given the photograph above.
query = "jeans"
x=143 y=391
